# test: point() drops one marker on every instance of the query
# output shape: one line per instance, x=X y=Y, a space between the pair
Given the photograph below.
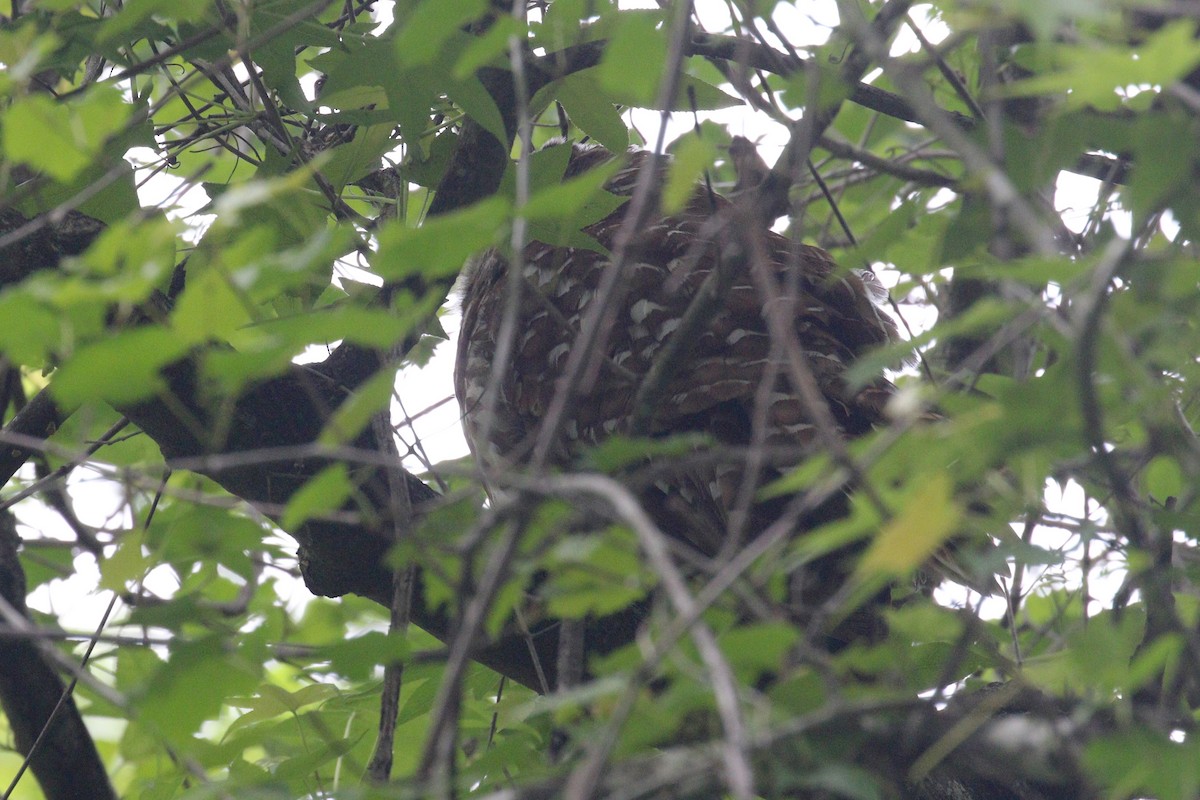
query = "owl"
x=664 y=329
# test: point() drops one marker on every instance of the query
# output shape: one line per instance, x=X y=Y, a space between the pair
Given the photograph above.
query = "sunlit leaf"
x=691 y=157
x=62 y=138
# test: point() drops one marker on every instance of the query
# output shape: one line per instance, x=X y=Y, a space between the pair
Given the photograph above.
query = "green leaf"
x=1046 y=18
x=192 y=686
x=425 y=165
x=124 y=265
x=359 y=157
x=356 y=412
x=24 y=49
x=286 y=202
x=1140 y=762
x=546 y=168
x=635 y=59
x=128 y=564
x=309 y=761
x=692 y=94
x=277 y=59
x=356 y=658
x=209 y=309
x=1034 y=162
x=136 y=14
x=592 y=111
x=1163 y=478
x=31 y=330
x=45 y=564
x=596 y=574
x=558 y=211
x=120 y=369
x=326 y=491
x=366 y=326
x=826 y=92
x=760 y=649
x=808 y=473
x=582 y=199
x=1163 y=143
x=271 y=701
x=354 y=69
x=113 y=203
x=442 y=245
x=490 y=48
x=226 y=372
x=617 y=452
x=1096 y=658
x=59 y=138
x=844 y=780
x=188 y=534
x=1098 y=76
x=473 y=97
x=560 y=24
x=425 y=32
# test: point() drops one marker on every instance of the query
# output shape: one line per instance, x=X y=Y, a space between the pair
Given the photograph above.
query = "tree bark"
x=65 y=763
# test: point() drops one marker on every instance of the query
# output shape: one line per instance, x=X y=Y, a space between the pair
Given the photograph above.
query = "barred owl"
x=718 y=370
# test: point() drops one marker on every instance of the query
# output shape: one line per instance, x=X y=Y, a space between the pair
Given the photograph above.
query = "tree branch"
x=35 y=701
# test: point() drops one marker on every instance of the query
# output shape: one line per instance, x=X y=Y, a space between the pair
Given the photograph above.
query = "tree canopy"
x=226 y=226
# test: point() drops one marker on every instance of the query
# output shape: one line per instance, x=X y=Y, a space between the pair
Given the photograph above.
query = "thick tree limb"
x=27 y=246
x=35 y=421
x=65 y=763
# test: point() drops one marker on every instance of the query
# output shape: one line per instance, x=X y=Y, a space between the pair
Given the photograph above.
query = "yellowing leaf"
x=928 y=518
x=692 y=156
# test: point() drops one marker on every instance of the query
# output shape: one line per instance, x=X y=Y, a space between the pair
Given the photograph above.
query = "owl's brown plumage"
x=715 y=383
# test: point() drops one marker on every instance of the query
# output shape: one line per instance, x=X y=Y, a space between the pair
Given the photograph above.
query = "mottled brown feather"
x=713 y=388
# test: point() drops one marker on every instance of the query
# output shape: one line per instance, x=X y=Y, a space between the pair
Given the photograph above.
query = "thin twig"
x=585 y=780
